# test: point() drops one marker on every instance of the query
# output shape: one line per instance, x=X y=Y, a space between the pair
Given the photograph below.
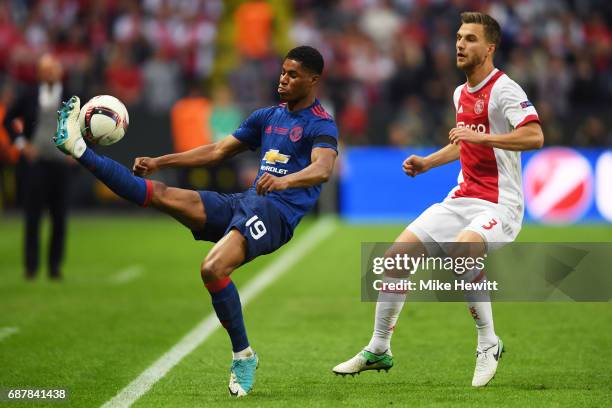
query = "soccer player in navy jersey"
x=298 y=142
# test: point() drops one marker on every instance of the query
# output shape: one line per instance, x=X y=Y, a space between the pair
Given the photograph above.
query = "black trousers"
x=45 y=185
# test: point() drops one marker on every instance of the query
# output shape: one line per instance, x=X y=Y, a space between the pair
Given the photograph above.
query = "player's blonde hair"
x=491 y=26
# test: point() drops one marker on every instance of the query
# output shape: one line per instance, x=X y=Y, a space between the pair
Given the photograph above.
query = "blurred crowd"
x=390 y=64
x=139 y=51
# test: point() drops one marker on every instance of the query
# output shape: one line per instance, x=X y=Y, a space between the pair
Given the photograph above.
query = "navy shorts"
x=254 y=216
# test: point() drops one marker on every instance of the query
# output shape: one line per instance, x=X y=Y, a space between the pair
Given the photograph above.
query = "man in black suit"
x=42 y=169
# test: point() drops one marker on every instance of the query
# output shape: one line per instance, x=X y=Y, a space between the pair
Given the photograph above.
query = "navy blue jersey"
x=286 y=140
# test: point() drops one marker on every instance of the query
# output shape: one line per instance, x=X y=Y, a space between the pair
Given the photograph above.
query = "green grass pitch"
x=93 y=335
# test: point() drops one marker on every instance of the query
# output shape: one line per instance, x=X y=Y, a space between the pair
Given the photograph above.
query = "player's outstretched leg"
x=117 y=177
x=184 y=205
x=228 y=254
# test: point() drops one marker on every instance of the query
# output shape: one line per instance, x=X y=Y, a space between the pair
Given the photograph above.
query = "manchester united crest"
x=295 y=134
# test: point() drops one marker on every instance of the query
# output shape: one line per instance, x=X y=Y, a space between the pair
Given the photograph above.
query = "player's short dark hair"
x=309 y=57
x=490 y=25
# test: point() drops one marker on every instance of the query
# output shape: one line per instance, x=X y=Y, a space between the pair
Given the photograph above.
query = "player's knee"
x=159 y=192
x=211 y=271
x=399 y=252
x=463 y=247
x=393 y=253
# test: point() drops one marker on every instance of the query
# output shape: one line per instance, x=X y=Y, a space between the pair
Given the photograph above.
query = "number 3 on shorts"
x=491 y=224
x=256 y=227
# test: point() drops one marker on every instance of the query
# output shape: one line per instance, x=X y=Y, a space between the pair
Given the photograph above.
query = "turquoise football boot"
x=242 y=376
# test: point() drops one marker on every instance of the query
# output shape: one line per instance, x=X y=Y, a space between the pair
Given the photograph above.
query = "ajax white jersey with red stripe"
x=495 y=106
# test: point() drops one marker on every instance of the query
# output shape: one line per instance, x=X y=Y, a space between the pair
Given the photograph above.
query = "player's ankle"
x=242 y=354
x=378 y=346
x=484 y=342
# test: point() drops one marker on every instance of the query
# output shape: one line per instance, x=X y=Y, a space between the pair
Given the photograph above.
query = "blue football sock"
x=118 y=177
x=226 y=302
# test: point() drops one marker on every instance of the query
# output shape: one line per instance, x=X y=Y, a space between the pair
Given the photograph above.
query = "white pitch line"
x=126 y=275
x=7 y=332
x=295 y=251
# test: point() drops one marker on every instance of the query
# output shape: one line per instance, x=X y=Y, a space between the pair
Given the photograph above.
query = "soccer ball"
x=103 y=120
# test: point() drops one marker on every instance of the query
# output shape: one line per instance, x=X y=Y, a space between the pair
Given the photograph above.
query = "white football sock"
x=388 y=308
x=479 y=305
x=242 y=354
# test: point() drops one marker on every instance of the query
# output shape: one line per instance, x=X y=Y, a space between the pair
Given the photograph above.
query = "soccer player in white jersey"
x=494 y=122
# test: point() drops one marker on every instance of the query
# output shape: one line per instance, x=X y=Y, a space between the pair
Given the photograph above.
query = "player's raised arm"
x=415 y=165
x=319 y=171
x=207 y=155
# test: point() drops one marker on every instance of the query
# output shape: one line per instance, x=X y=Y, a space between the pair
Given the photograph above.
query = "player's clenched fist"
x=144 y=166
x=267 y=182
x=414 y=165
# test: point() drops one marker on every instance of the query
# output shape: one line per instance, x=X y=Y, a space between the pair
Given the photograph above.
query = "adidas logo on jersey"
x=460 y=110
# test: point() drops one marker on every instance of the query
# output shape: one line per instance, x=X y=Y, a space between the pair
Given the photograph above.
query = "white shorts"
x=442 y=223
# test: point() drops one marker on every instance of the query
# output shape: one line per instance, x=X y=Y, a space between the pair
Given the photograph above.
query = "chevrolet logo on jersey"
x=273 y=156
